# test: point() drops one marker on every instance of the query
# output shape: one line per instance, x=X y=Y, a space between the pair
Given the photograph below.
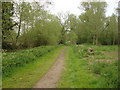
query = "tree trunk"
x=18 y=30
x=96 y=40
x=114 y=39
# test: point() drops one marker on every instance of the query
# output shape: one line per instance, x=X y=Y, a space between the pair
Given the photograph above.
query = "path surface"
x=52 y=77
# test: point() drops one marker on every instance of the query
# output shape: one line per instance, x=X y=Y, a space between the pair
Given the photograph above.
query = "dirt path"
x=52 y=77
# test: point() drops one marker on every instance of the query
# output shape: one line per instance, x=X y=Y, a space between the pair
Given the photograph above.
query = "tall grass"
x=14 y=60
x=28 y=75
x=76 y=74
x=85 y=70
x=107 y=71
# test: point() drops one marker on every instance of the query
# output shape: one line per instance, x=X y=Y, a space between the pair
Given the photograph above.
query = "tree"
x=23 y=14
x=7 y=24
x=69 y=28
x=44 y=28
x=93 y=19
x=110 y=35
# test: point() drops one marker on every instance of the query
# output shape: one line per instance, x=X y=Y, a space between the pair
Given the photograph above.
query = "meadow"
x=86 y=70
x=82 y=69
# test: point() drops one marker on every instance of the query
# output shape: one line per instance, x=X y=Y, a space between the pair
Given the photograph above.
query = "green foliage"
x=28 y=24
x=20 y=58
x=82 y=50
x=107 y=72
x=69 y=25
x=91 y=22
x=45 y=30
x=7 y=13
x=110 y=34
x=94 y=27
x=7 y=25
x=43 y=33
x=76 y=74
x=98 y=66
x=34 y=26
x=28 y=75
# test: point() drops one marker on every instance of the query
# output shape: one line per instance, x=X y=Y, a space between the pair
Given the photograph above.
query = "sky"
x=71 y=6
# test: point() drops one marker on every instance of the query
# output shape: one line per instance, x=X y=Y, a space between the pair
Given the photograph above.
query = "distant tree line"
x=92 y=26
x=26 y=25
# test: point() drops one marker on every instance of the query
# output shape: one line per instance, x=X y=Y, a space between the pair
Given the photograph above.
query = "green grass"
x=83 y=71
x=28 y=75
x=13 y=60
x=75 y=74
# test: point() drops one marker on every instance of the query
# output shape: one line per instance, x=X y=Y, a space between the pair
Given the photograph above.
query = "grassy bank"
x=28 y=75
x=13 y=60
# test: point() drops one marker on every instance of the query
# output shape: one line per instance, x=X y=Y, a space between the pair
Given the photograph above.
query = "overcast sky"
x=71 y=6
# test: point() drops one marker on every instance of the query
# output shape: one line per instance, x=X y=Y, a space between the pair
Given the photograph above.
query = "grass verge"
x=76 y=75
x=28 y=76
